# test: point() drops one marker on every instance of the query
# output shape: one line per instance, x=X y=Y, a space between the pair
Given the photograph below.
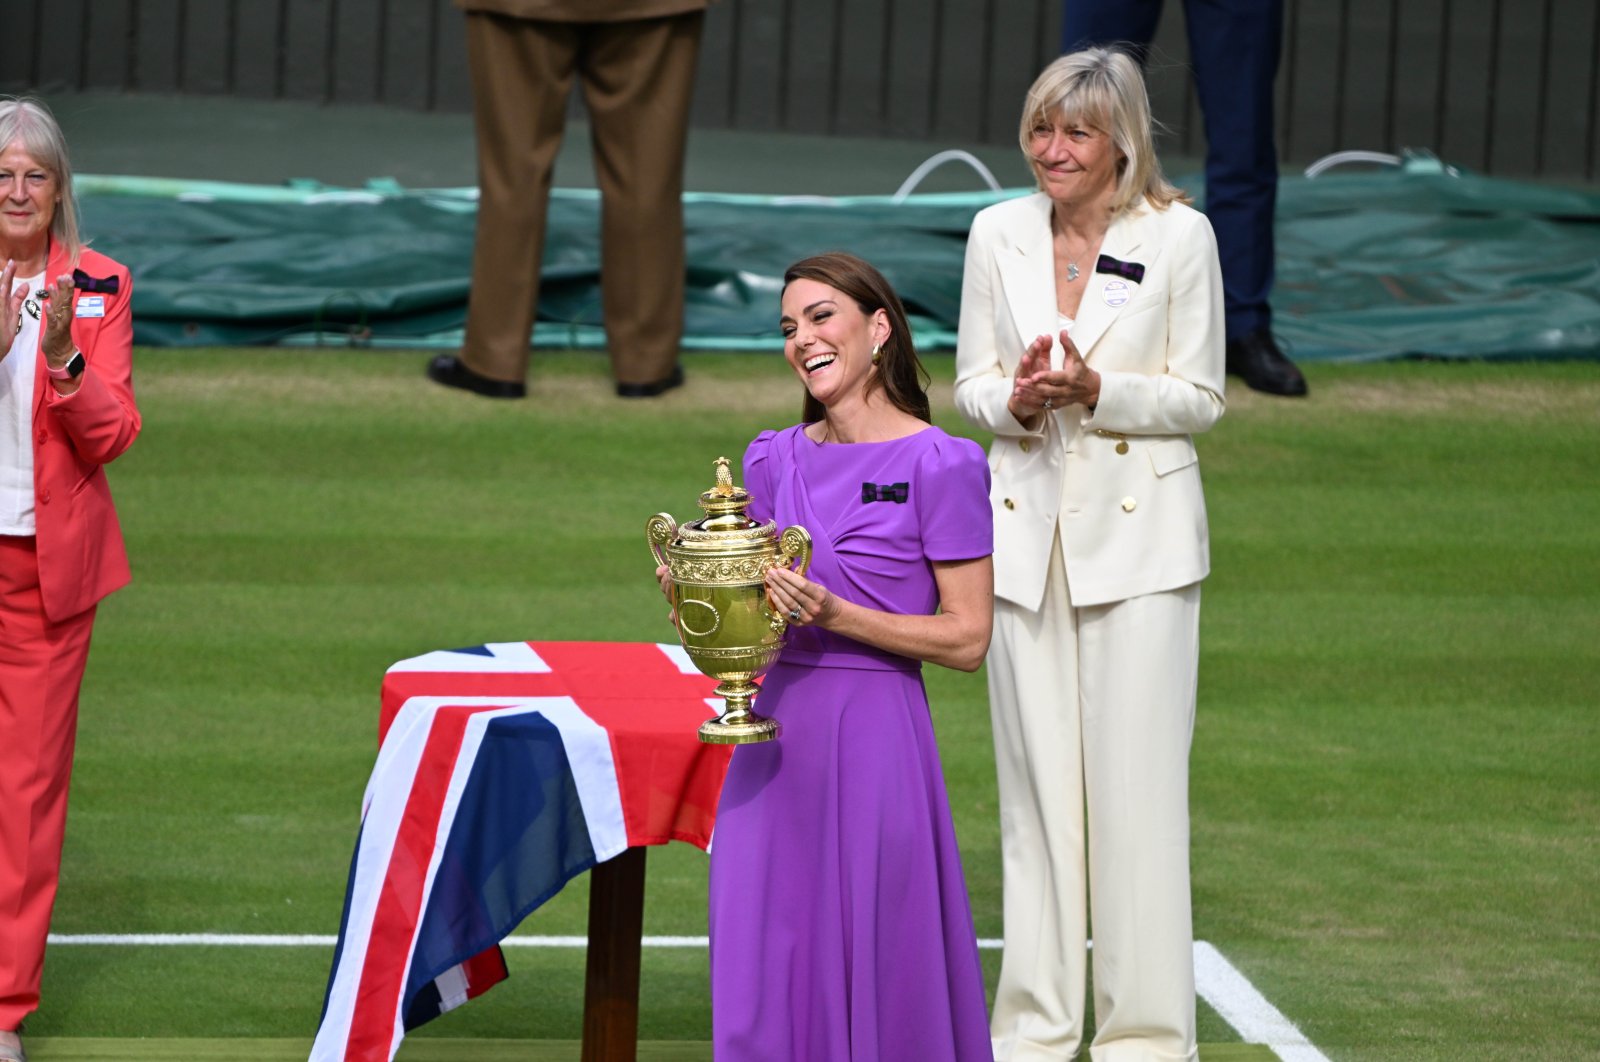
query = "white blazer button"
x=1024 y=445
x=1010 y=504
x=1129 y=505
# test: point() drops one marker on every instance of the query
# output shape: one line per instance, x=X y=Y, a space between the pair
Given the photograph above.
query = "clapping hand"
x=58 y=346
x=1039 y=387
x=10 y=306
x=1026 y=401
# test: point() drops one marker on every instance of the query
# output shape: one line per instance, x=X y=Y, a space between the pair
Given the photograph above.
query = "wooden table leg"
x=611 y=984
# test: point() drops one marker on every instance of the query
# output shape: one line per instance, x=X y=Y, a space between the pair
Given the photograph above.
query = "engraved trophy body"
x=718 y=566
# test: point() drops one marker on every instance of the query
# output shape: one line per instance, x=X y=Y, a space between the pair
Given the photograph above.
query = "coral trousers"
x=41 y=668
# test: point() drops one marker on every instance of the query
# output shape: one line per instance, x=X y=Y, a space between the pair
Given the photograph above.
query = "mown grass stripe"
x=1217 y=981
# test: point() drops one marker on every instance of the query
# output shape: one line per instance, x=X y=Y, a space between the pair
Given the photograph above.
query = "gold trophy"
x=719 y=598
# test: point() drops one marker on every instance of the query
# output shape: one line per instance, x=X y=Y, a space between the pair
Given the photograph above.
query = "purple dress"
x=840 y=926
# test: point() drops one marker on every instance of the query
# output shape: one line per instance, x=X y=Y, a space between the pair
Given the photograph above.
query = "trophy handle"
x=660 y=530
x=795 y=545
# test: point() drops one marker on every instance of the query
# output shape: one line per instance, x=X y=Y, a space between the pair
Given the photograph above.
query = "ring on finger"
x=1049 y=403
x=794 y=615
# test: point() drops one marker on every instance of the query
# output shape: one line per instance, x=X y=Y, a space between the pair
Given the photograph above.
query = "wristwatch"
x=70 y=371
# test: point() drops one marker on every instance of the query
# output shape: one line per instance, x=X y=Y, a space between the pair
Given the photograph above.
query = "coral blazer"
x=81 y=554
x=1122 y=483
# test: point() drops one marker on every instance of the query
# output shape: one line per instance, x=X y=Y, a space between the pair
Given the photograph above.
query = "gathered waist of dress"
x=850 y=656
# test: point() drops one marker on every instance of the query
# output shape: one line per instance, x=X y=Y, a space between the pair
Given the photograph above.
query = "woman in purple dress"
x=840 y=926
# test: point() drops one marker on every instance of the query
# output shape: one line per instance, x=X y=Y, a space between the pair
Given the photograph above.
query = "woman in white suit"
x=1091 y=345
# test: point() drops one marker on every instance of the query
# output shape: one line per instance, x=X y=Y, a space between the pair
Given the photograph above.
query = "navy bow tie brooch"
x=94 y=285
x=885 y=492
x=1127 y=270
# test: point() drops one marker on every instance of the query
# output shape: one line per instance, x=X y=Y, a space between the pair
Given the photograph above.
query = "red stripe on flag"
x=651 y=711
x=400 y=686
x=669 y=780
x=399 y=909
x=484 y=970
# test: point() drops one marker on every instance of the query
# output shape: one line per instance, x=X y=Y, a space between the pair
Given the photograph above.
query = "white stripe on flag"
x=392 y=776
x=452 y=986
x=679 y=656
x=460 y=773
x=503 y=657
x=594 y=772
x=685 y=666
x=396 y=766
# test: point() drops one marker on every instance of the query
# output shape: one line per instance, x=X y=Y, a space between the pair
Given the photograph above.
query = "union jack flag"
x=504 y=770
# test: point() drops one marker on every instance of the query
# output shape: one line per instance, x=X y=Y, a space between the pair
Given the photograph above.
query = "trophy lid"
x=724 y=504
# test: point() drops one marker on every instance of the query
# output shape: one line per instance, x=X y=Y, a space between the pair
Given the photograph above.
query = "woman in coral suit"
x=66 y=410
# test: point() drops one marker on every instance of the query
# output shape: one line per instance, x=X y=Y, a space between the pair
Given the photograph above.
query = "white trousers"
x=1093 y=713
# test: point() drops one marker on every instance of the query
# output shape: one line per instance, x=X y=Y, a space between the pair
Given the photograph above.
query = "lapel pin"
x=1127 y=270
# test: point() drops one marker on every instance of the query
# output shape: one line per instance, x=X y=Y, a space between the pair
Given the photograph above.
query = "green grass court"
x=1395 y=798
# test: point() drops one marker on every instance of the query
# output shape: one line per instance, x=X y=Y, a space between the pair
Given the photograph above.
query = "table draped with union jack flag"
x=503 y=771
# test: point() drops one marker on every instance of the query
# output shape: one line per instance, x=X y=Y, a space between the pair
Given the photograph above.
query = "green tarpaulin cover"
x=1416 y=260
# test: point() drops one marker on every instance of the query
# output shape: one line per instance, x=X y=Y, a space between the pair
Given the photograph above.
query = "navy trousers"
x=1234 y=47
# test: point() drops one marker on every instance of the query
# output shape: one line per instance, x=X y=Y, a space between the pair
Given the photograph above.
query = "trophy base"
x=747 y=730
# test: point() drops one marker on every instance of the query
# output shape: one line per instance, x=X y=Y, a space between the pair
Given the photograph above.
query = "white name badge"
x=91 y=306
x=1115 y=293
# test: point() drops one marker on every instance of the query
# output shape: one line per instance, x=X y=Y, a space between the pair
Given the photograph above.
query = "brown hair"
x=900 y=374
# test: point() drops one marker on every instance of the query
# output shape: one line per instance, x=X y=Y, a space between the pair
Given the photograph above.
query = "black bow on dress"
x=885 y=492
x=94 y=285
x=1130 y=270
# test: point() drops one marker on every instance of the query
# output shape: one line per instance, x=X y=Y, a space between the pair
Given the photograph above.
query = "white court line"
x=1222 y=986
x=1232 y=996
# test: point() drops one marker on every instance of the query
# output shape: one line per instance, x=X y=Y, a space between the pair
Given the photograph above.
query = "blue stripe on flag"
x=425 y=1006
x=344 y=924
x=528 y=839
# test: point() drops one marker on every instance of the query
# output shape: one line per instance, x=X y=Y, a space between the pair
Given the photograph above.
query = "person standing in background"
x=636 y=60
x=1234 y=47
x=1091 y=347
x=66 y=411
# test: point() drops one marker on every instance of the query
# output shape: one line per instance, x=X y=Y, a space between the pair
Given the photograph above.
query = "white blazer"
x=1132 y=522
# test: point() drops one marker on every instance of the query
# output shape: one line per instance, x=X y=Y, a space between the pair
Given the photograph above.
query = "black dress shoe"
x=1256 y=359
x=650 y=390
x=448 y=370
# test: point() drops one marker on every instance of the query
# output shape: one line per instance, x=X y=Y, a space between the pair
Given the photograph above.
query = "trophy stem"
x=738 y=725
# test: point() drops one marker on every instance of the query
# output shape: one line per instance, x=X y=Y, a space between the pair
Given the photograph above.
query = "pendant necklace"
x=1073 y=272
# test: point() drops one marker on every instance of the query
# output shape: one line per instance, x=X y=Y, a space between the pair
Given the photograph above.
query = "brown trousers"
x=638 y=78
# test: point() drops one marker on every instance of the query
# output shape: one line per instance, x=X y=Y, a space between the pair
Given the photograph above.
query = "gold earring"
x=875 y=348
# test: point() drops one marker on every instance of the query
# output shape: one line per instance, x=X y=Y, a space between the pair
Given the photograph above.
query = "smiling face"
x=828 y=340
x=28 y=197
x=1074 y=162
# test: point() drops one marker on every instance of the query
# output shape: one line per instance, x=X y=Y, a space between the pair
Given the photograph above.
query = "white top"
x=16 y=417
